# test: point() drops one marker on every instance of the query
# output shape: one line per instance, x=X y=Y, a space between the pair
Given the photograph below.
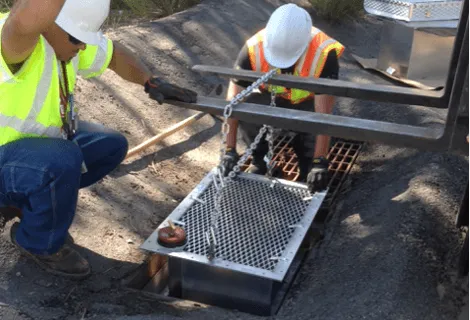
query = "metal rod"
x=452 y=126
x=458 y=41
x=332 y=125
x=373 y=92
x=458 y=85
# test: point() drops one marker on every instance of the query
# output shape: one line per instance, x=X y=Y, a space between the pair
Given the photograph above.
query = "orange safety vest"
x=310 y=64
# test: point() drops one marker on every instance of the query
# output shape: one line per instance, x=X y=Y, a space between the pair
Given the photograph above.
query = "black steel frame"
x=448 y=137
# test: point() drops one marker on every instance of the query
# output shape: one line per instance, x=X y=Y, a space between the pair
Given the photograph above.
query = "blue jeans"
x=42 y=177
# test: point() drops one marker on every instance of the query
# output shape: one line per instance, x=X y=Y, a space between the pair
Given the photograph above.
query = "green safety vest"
x=30 y=99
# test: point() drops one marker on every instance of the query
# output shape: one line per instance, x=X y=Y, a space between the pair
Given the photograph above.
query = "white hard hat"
x=83 y=19
x=287 y=35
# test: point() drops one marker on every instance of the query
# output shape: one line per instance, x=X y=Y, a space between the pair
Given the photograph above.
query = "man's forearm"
x=35 y=16
x=323 y=104
x=128 y=66
x=27 y=20
x=232 y=91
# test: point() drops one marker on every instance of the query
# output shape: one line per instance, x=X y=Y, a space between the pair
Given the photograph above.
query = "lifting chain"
x=270 y=139
x=221 y=180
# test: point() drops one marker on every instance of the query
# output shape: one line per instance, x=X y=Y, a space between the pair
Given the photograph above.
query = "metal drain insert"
x=259 y=230
x=342 y=157
x=255 y=224
x=284 y=157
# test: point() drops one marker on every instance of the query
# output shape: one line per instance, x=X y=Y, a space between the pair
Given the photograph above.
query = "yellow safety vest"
x=30 y=99
x=310 y=64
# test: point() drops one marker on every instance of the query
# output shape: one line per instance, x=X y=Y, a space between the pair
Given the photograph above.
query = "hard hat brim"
x=280 y=61
x=91 y=38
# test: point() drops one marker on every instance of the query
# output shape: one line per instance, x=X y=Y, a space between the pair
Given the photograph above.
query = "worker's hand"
x=230 y=160
x=161 y=90
x=318 y=178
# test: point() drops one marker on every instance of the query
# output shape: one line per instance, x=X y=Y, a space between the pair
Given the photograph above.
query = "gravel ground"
x=389 y=251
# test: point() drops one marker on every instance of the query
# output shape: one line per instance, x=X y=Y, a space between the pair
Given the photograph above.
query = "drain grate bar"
x=342 y=157
x=284 y=157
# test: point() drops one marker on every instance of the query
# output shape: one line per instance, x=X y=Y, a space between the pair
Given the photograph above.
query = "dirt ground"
x=389 y=251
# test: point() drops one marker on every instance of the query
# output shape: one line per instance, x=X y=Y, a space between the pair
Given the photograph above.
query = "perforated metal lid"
x=259 y=230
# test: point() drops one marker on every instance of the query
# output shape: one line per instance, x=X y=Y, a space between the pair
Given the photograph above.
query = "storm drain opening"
x=260 y=239
x=342 y=156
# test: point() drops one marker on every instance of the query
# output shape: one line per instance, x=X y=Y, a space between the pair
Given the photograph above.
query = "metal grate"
x=284 y=157
x=441 y=11
x=412 y=10
x=342 y=156
x=255 y=225
x=391 y=9
x=260 y=229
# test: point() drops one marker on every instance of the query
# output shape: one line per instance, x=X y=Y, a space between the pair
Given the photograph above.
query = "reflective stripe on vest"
x=29 y=125
x=310 y=64
x=255 y=47
x=4 y=74
x=97 y=59
x=25 y=94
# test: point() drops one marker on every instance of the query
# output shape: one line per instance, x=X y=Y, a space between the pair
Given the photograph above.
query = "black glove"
x=230 y=160
x=160 y=90
x=318 y=178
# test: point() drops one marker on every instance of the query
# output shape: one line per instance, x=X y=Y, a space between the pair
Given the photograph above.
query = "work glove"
x=318 y=178
x=230 y=160
x=160 y=90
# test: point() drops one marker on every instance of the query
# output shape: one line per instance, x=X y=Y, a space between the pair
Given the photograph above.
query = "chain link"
x=219 y=178
x=270 y=139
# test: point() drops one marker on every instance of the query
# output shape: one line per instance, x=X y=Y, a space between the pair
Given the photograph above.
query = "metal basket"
x=415 y=10
x=259 y=230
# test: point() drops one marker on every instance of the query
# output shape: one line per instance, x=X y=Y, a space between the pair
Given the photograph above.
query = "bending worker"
x=289 y=42
x=46 y=154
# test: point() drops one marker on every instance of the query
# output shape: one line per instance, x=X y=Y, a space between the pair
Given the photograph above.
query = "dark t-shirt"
x=330 y=70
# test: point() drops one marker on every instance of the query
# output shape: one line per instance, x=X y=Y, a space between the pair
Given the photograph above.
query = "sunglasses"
x=74 y=40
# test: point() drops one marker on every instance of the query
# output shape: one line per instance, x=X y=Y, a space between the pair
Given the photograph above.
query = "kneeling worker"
x=290 y=43
x=46 y=154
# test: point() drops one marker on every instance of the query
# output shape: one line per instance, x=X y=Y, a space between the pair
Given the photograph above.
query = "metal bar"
x=374 y=92
x=451 y=127
x=459 y=39
x=382 y=93
x=332 y=125
x=438 y=139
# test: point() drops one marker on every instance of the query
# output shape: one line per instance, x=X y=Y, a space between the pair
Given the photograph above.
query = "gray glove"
x=230 y=160
x=318 y=178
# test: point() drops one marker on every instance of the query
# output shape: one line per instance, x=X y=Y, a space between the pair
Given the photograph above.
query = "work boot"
x=67 y=262
x=9 y=213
